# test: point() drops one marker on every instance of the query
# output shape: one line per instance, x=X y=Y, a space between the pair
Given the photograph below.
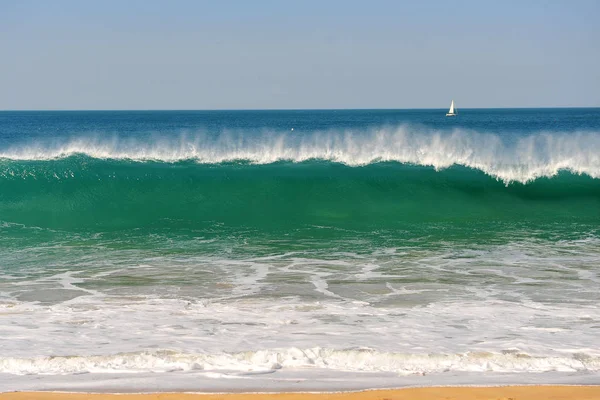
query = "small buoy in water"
x=292 y=128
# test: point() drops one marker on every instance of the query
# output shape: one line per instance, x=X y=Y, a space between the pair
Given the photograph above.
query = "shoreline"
x=504 y=392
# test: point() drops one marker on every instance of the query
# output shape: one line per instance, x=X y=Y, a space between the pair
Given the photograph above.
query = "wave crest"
x=504 y=157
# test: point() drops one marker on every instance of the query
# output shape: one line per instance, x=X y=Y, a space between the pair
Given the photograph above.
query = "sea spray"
x=512 y=159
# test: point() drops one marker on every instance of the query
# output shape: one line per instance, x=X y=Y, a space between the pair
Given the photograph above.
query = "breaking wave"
x=504 y=157
x=365 y=360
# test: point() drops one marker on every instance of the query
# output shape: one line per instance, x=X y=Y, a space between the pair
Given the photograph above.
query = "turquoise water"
x=306 y=200
x=401 y=231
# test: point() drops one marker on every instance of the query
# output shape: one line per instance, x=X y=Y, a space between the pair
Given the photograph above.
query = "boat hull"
x=451 y=115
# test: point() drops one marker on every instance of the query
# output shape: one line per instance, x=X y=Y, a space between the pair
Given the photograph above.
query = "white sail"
x=451 y=112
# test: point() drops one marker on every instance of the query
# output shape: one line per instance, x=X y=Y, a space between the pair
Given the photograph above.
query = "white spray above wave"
x=510 y=158
x=360 y=360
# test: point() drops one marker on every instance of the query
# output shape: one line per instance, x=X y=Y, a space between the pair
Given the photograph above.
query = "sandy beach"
x=432 y=393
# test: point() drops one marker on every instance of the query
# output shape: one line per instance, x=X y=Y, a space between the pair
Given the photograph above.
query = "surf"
x=506 y=157
x=269 y=361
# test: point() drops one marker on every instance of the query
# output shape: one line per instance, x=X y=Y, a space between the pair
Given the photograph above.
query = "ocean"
x=298 y=250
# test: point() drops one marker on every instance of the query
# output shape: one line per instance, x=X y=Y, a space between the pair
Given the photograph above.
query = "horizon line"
x=284 y=109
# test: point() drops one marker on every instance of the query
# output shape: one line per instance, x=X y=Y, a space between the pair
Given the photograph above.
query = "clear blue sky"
x=146 y=54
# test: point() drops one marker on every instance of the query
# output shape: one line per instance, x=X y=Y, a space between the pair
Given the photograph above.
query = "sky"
x=277 y=54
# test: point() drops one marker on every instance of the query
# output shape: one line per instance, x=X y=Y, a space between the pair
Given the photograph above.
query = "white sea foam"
x=518 y=308
x=521 y=158
x=264 y=361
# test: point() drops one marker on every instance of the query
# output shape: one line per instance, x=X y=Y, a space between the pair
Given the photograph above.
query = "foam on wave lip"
x=265 y=361
x=521 y=159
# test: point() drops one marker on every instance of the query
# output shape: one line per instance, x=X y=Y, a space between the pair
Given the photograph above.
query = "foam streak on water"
x=494 y=309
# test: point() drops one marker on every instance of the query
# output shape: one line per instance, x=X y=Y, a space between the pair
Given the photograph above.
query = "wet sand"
x=431 y=393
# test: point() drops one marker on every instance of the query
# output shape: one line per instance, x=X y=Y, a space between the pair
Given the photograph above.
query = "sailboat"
x=452 y=112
